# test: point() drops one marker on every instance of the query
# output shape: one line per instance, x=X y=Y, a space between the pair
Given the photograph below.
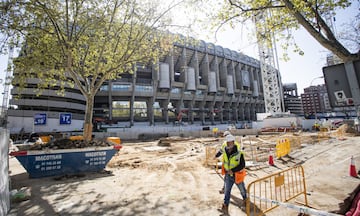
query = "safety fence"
x=256 y=149
x=339 y=133
x=295 y=142
x=264 y=194
x=4 y=172
x=259 y=150
x=282 y=147
x=210 y=153
x=324 y=133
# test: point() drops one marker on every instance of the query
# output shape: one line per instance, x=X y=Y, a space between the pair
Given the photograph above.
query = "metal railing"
x=266 y=193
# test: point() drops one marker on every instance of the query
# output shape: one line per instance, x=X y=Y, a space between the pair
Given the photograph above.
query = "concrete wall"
x=4 y=172
x=281 y=122
x=144 y=132
x=307 y=124
x=52 y=124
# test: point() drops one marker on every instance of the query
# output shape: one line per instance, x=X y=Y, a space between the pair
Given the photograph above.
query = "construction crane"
x=271 y=78
x=8 y=73
x=273 y=94
x=331 y=59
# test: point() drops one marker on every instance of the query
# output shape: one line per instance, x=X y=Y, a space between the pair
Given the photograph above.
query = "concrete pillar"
x=247 y=112
x=191 y=112
x=132 y=100
x=164 y=111
x=110 y=101
x=202 y=111
x=253 y=112
x=150 y=111
x=242 y=111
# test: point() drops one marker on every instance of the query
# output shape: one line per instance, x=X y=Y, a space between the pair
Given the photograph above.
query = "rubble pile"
x=65 y=143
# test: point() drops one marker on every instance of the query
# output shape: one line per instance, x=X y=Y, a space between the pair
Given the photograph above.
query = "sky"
x=302 y=70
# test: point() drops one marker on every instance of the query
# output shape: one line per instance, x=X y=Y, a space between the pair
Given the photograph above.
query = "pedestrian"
x=234 y=170
x=226 y=133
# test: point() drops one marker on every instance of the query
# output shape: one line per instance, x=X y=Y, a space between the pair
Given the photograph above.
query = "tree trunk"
x=88 y=117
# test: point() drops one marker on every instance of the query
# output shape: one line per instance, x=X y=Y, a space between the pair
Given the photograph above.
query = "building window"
x=121 y=87
x=141 y=88
x=104 y=88
x=187 y=92
x=175 y=90
x=140 y=109
x=199 y=92
x=121 y=109
x=157 y=110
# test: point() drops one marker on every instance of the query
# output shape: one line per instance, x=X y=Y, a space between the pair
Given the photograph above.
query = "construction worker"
x=222 y=190
x=316 y=126
x=226 y=133
x=234 y=170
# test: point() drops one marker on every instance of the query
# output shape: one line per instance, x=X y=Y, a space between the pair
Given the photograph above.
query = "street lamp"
x=312 y=95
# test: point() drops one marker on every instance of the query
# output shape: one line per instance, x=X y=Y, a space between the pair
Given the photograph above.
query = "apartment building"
x=292 y=100
x=315 y=100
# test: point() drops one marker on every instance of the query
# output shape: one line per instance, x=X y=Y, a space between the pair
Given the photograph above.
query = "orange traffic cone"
x=352 y=168
x=271 y=159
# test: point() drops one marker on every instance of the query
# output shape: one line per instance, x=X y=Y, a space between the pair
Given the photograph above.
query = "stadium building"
x=203 y=84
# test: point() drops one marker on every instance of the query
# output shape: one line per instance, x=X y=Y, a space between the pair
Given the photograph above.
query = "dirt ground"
x=171 y=177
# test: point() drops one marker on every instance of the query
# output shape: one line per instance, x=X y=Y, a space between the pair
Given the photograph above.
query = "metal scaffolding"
x=271 y=79
x=4 y=106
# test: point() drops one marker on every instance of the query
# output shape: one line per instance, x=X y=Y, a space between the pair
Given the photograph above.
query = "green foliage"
x=83 y=43
x=91 y=41
x=279 y=17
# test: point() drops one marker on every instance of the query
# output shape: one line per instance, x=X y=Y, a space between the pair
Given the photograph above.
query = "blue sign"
x=40 y=119
x=65 y=118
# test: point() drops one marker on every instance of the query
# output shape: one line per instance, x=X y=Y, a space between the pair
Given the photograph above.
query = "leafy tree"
x=281 y=16
x=83 y=42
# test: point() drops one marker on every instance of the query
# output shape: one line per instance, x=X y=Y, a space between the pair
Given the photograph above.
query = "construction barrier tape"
x=300 y=209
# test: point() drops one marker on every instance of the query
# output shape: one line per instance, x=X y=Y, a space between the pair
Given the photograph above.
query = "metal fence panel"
x=266 y=193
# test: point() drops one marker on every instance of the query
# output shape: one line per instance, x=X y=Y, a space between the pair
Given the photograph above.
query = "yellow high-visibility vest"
x=234 y=160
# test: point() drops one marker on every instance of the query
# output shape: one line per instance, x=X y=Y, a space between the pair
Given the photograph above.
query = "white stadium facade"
x=197 y=84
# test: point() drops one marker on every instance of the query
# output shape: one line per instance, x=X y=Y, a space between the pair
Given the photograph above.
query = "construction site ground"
x=172 y=177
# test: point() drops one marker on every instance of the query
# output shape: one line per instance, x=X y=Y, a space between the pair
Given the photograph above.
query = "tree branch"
x=331 y=44
x=245 y=10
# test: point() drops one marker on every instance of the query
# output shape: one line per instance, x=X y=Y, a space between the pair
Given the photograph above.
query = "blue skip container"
x=60 y=162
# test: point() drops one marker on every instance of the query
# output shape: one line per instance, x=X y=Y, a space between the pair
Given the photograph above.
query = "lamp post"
x=312 y=95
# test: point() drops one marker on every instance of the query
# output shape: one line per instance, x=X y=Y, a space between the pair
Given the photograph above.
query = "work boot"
x=225 y=209
x=243 y=204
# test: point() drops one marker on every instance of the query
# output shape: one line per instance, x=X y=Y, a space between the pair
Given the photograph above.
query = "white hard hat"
x=227 y=133
x=230 y=138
